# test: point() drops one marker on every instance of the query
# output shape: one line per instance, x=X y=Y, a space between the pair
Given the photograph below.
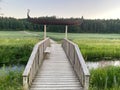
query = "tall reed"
x=16 y=51
x=11 y=78
x=99 y=49
x=105 y=78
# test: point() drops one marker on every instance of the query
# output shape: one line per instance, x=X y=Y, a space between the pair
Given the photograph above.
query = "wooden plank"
x=63 y=88
x=54 y=83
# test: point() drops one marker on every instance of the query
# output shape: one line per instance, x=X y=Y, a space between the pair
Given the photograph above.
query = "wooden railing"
x=74 y=55
x=34 y=63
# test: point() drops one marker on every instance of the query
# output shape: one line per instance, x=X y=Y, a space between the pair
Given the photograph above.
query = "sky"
x=89 y=9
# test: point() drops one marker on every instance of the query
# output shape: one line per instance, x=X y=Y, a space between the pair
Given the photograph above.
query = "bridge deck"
x=56 y=72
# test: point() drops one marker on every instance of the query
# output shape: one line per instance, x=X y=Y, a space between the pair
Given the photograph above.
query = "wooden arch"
x=54 y=21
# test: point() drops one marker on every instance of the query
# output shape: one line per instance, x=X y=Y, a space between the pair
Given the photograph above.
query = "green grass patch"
x=16 y=51
x=21 y=34
x=79 y=36
x=99 y=49
x=107 y=78
x=56 y=36
x=11 y=79
x=94 y=47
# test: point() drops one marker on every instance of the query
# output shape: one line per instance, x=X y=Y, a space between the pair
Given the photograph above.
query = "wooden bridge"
x=53 y=66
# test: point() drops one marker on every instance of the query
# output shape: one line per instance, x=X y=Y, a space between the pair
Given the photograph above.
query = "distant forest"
x=88 y=26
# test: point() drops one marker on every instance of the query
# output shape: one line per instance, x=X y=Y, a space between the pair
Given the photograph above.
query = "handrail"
x=74 y=55
x=34 y=62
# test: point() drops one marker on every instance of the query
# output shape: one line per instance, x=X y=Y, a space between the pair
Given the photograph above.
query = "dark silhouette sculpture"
x=54 y=21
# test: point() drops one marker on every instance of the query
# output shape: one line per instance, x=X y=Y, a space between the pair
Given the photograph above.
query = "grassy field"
x=16 y=46
x=20 y=34
x=94 y=47
x=16 y=51
x=99 y=49
x=56 y=36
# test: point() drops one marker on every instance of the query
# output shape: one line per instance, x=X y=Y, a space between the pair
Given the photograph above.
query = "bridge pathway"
x=56 y=72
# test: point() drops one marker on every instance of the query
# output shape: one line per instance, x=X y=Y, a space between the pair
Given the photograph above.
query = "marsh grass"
x=107 y=78
x=16 y=51
x=99 y=49
x=16 y=46
x=11 y=79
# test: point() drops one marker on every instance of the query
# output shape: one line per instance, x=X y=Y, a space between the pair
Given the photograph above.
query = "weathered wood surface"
x=73 y=53
x=34 y=62
x=56 y=72
x=47 y=50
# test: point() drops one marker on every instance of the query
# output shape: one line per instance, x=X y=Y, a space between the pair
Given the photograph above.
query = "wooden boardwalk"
x=56 y=72
x=53 y=66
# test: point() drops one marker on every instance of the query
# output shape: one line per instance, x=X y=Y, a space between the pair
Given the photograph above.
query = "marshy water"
x=90 y=65
x=7 y=69
x=103 y=63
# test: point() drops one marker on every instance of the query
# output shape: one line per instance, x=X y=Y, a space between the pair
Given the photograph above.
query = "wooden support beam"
x=66 y=30
x=44 y=31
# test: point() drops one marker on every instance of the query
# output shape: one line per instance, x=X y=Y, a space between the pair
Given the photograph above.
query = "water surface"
x=103 y=63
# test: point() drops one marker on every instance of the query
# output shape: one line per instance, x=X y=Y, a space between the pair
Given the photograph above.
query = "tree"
x=88 y=26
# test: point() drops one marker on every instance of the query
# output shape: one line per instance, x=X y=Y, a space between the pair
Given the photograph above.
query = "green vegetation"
x=16 y=47
x=56 y=36
x=83 y=36
x=20 y=34
x=88 y=26
x=107 y=78
x=16 y=51
x=94 y=47
x=99 y=49
x=11 y=78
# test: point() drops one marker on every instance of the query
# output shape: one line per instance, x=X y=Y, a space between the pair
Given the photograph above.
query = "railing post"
x=86 y=83
x=44 y=31
x=66 y=30
x=25 y=83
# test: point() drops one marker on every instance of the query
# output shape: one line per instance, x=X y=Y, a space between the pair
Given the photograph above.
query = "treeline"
x=88 y=26
x=17 y=24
